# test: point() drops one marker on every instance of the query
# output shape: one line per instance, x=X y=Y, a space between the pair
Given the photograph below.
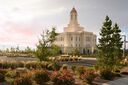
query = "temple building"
x=74 y=36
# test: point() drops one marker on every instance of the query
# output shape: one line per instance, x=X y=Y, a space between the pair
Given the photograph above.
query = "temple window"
x=88 y=38
x=76 y=38
x=71 y=38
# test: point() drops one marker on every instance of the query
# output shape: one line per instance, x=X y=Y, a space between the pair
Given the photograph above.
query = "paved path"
x=122 y=81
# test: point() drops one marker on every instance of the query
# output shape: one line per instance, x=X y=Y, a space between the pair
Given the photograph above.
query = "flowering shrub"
x=80 y=70
x=62 y=78
x=88 y=76
x=106 y=74
x=25 y=79
x=73 y=68
x=13 y=74
x=41 y=76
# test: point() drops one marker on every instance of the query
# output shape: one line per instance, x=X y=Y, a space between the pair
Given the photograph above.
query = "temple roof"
x=73 y=10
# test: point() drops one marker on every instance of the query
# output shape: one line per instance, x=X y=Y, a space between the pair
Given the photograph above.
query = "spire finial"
x=73 y=10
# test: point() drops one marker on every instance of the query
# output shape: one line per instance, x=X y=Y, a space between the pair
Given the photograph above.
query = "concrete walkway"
x=122 y=81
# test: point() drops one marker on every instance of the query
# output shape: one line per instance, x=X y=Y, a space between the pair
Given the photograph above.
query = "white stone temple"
x=74 y=36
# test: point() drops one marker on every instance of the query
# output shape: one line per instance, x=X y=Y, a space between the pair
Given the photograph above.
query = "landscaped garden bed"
x=46 y=73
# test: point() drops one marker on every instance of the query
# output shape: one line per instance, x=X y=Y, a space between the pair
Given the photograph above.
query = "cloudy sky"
x=22 y=21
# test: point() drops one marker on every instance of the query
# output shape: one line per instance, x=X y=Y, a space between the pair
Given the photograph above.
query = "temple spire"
x=73 y=17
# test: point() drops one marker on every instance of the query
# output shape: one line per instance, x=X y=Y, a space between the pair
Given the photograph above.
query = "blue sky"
x=22 y=21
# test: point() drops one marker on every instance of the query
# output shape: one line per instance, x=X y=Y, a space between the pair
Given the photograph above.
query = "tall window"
x=76 y=38
x=88 y=38
x=56 y=38
x=71 y=17
x=75 y=17
x=71 y=38
x=62 y=39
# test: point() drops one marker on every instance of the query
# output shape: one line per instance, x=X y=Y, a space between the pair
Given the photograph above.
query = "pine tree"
x=117 y=44
x=105 y=46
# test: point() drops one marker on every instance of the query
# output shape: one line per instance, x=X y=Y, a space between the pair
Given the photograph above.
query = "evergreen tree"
x=105 y=46
x=110 y=46
x=117 y=43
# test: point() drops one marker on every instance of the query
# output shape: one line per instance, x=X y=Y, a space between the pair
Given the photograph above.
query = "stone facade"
x=74 y=36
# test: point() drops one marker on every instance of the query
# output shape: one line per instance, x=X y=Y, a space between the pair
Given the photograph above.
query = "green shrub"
x=0 y=64
x=43 y=65
x=118 y=71
x=2 y=77
x=117 y=75
x=90 y=69
x=73 y=68
x=80 y=70
x=64 y=67
x=124 y=73
x=3 y=71
x=34 y=64
x=5 y=64
x=21 y=64
x=13 y=65
x=96 y=67
x=46 y=64
x=70 y=58
x=41 y=76
x=28 y=65
x=56 y=67
x=13 y=74
x=24 y=79
x=62 y=78
x=50 y=67
x=88 y=76
x=106 y=74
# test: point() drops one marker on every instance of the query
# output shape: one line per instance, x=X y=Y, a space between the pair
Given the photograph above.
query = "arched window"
x=75 y=17
x=71 y=38
x=71 y=17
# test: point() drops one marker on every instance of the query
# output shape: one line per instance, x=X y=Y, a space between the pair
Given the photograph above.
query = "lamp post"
x=124 y=45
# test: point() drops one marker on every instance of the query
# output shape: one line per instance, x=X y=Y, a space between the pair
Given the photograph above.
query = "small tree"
x=28 y=50
x=105 y=46
x=117 y=43
x=75 y=51
x=109 y=45
x=17 y=49
x=45 y=47
x=55 y=50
